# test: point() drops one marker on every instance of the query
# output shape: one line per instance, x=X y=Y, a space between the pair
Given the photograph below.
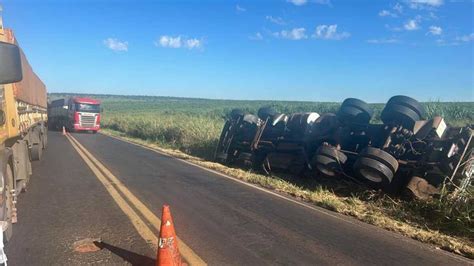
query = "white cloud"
x=466 y=38
x=294 y=34
x=193 y=43
x=433 y=16
x=256 y=37
x=398 y=7
x=420 y=4
x=298 y=2
x=303 y=2
x=240 y=9
x=411 y=25
x=442 y=42
x=323 y=2
x=116 y=45
x=393 y=28
x=276 y=20
x=434 y=30
x=459 y=40
x=329 y=32
x=383 y=41
x=178 y=42
x=170 y=42
x=386 y=13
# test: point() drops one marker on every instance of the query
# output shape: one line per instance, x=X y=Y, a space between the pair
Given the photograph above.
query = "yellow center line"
x=109 y=180
x=139 y=225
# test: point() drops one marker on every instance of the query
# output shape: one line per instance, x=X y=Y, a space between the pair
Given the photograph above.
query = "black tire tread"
x=266 y=112
x=403 y=115
x=36 y=152
x=236 y=113
x=408 y=102
x=370 y=163
x=381 y=156
x=327 y=162
x=354 y=111
x=359 y=104
x=332 y=152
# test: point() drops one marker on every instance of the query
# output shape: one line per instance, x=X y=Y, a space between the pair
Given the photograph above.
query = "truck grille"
x=87 y=121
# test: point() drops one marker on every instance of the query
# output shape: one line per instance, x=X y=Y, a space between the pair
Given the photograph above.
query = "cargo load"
x=31 y=89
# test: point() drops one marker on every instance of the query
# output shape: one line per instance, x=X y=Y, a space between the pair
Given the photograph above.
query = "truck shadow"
x=129 y=256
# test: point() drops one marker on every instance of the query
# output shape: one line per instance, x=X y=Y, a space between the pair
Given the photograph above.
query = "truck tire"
x=236 y=113
x=7 y=205
x=250 y=119
x=326 y=166
x=279 y=122
x=329 y=160
x=219 y=147
x=399 y=115
x=325 y=127
x=403 y=111
x=354 y=111
x=299 y=123
x=36 y=151
x=266 y=112
x=408 y=102
x=376 y=166
x=44 y=138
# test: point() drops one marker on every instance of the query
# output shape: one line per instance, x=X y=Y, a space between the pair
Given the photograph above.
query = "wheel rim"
x=325 y=170
x=371 y=175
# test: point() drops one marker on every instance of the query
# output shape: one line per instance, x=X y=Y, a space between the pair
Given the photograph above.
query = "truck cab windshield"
x=84 y=107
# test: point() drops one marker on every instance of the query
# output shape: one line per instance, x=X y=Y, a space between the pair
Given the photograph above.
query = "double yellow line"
x=128 y=203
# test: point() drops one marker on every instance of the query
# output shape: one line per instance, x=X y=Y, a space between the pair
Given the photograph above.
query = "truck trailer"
x=75 y=114
x=23 y=125
x=405 y=155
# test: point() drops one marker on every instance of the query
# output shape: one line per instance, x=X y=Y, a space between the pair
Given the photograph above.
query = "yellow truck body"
x=23 y=133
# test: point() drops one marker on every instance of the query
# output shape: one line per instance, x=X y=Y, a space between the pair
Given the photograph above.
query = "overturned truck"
x=404 y=153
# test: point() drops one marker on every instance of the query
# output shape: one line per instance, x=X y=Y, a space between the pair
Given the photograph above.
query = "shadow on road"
x=129 y=256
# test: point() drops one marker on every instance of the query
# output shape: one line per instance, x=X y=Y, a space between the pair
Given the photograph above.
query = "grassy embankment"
x=189 y=129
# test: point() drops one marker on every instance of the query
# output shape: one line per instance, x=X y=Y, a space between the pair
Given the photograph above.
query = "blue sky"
x=315 y=50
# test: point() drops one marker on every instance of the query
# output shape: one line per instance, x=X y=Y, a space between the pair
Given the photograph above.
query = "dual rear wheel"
x=402 y=110
x=376 y=166
x=354 y=111
x=39 y=143
x=329 y=160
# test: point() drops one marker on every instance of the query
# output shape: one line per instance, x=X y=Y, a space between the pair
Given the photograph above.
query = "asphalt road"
x=223 y=221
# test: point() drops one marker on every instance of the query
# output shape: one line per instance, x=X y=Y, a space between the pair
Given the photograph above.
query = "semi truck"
x=405 y=155
x=23 y=125
x=75 y=114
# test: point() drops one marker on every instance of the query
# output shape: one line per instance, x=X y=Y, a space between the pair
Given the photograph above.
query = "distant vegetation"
x=194 y=125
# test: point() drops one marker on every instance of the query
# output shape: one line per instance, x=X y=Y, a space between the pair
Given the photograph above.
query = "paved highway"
x=94 y=186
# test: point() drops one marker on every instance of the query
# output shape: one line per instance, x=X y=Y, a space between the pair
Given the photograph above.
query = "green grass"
x=192 y=126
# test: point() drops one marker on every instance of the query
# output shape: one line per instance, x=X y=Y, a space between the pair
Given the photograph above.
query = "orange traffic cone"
x=168 y=253
x=64 y=130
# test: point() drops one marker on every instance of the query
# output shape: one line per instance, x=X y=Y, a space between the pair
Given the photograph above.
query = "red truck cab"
x=75 y=114
x=84 y=114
